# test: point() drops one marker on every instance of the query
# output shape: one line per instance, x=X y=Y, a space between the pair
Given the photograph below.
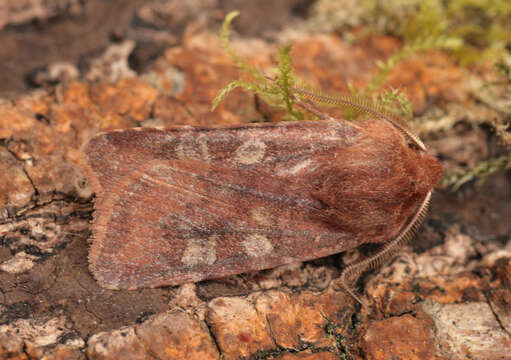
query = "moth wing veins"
x=174 y=221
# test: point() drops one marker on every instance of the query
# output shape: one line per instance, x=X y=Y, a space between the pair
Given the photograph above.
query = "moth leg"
x=351 y=274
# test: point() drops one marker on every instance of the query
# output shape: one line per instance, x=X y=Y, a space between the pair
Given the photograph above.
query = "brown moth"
x=184 y=204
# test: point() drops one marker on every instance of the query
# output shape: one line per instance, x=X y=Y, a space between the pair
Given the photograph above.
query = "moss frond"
x=284 y=78
x=361 y=104
x=497 y=95
x=285 y=89
x=226 y=90
x=225 y=34
x=456 y=179
x=395 y=100
x=471 y=30
x=286 y=81
x=276 y=92
x=410 y=49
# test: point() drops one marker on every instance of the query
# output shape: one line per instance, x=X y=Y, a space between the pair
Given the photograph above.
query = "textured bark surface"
x=447 y=296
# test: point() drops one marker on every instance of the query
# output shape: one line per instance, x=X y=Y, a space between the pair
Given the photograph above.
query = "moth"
x=184 y=204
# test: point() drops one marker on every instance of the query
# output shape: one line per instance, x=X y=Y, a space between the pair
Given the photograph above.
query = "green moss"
x=225 y=34
x=470 y=29
x=286 y=81
x=455 y=179
x=342 y=349
x=410 y=48
x=497 y=96
x=286 y=89
x=276 y=92
x=267 y=354
x=395 y=101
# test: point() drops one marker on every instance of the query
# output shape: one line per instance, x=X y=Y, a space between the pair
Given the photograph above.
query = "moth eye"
x=414 y=146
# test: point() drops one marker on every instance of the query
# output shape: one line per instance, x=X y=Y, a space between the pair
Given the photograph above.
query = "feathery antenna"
x=350 y=275
x=363 y=105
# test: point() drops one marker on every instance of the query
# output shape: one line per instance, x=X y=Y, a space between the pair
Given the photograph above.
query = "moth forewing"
x=185 y=204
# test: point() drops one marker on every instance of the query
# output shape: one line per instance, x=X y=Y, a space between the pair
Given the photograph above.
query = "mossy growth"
x=267 y=354
x=276 y=92
x=455 y=179
x=502 y=129
x=285 y=89
x=331 y=330
x=470 y=29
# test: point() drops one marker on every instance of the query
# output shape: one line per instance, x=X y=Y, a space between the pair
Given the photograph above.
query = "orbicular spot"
x=200 y=251
x=250 y=152
x=193 y=149
x=257 y=245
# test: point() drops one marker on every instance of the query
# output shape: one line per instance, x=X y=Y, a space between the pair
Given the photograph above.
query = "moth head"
x=377 y=183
